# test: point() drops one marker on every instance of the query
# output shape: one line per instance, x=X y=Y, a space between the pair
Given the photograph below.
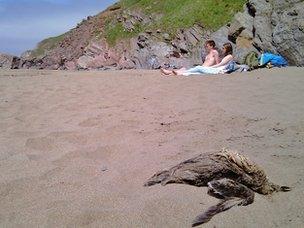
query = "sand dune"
x=76 y=147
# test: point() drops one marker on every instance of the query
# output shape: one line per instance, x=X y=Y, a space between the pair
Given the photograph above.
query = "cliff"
x=170 y=33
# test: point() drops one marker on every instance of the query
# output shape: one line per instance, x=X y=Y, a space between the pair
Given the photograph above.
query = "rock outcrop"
x=276 y=26
x=9 y=61
x=272 y=25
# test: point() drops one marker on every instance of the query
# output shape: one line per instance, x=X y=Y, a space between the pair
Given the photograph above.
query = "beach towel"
x=234 y=67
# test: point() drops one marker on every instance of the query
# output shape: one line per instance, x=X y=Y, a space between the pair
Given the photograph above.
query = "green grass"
x=176 y=14
x=212 y=14
x=115 y=32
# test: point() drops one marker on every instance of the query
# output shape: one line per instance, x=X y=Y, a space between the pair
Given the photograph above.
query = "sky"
x=24 y=23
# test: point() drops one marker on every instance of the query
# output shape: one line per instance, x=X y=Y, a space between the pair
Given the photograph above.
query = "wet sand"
x=76 y=147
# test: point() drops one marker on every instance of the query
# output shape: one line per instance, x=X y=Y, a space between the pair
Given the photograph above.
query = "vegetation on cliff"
x=46 y=45
x=184 y=13
x=167 y=15
x=176 y=14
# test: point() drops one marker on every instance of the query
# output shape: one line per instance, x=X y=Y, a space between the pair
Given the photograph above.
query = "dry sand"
x=76 y=147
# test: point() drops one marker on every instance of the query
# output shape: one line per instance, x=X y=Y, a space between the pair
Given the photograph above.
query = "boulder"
x=243 y=46
x=275 y=26
x=242 y=23
x=83 y=61
x=125 y=63
x=220 y=36
x=262 y=7
x=151 y=55
x=7 y=61
x=263 y=33
x=288 y=34
x=70 y=65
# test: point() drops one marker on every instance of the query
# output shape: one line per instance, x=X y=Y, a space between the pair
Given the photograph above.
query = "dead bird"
x=230 y=194
x=230 y=176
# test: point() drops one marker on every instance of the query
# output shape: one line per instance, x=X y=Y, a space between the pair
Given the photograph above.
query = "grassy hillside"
x=175 y=14
x=171 y=14
x=115 y=31
x=184 y=13
x=46 y=45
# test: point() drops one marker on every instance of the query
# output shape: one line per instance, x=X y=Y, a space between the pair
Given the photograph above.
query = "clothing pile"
x=253 y=61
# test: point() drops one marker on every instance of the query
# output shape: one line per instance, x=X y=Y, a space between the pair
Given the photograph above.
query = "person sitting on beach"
x=211 y=59
x=214 y=69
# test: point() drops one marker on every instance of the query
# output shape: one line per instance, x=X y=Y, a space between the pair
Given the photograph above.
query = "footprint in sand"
x=130 y=123
x=101 y=154
x=69 y=136
x=42 y=143
x=91 y=122
x=55 y=139
x=89 y=217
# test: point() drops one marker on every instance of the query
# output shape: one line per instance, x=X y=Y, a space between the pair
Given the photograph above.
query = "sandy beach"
x=76 y=147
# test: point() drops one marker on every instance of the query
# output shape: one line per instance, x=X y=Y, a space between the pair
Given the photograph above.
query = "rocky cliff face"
x=9 y=61
x=273 y=25
x=6 y=61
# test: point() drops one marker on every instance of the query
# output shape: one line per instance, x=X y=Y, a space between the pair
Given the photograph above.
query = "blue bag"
x=275 y=60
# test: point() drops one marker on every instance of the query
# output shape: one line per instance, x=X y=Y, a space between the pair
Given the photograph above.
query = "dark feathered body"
x=229 y=176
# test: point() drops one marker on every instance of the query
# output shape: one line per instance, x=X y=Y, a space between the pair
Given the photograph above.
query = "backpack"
x=252 y=60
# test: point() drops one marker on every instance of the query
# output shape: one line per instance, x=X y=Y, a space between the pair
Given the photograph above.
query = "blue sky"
x=23 y=23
